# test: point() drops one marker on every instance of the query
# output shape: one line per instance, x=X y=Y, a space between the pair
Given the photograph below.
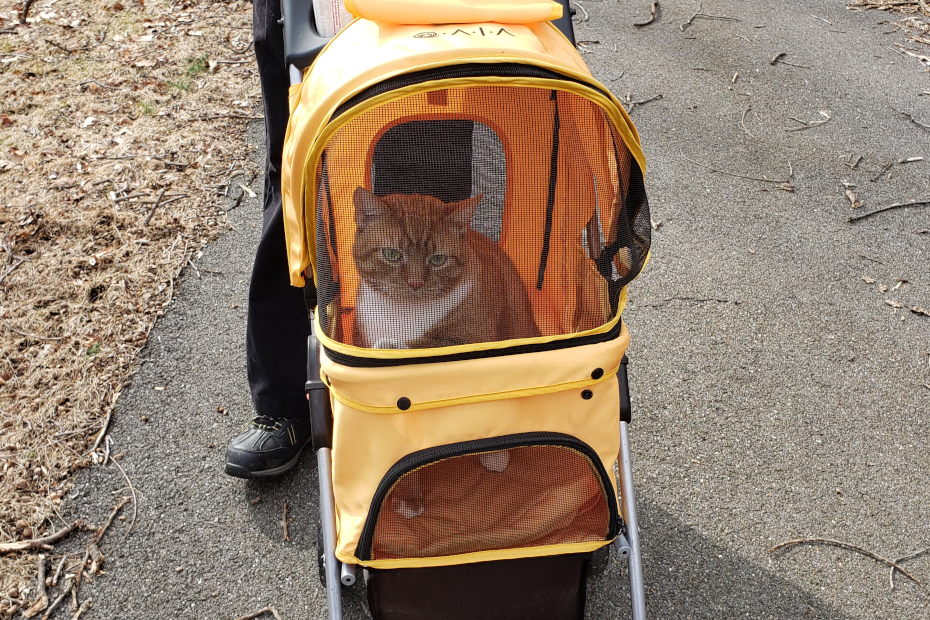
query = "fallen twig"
x=96 y=559
x=705 y=16
x=779 y=58
x=264 y=610
x=742 y=122
x=129 y=197
x=920 y=203
x=740 y=176
x=12 y=269
x=58 y=570
x=854 y=202
x=809 y=124
x=852 y=166
x=909 y=556
x=884 y=169
x=135 y=502
x=26 y=6
x=284 y=523
x=148 y=217
x=34 y=336
x=237 y=116
x=103 y=429
x=41 y=603
x=633 y=104
x=64 y=594
x=652 y=15
x=582 y=10
x=113 y=514
x=84 y=607
x=913 y=120
x=61 y=47
x=837 y=543
x=42 y=543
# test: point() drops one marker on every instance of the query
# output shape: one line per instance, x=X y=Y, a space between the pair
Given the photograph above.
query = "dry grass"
x=916 y=24
x=106 y=109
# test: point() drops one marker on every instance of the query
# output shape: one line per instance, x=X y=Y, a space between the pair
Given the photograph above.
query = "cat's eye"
x=391 y=254
x=438 y=260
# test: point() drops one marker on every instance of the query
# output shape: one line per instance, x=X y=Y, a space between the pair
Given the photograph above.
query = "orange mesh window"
x=476 y=214
x=519 y=497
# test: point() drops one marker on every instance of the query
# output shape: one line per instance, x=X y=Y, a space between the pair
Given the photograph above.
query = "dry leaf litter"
x=916 y=24
x=121 y=132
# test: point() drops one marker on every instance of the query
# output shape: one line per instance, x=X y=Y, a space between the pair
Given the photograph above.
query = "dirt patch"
x=120 y=137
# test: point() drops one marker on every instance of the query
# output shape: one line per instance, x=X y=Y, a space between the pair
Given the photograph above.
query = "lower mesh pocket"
x=517 y=491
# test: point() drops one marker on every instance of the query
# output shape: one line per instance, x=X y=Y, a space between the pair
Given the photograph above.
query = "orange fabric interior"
x=547 y=495
x=587 y=176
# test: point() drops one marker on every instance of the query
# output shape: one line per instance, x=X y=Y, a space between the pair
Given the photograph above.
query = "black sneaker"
x=267 y=447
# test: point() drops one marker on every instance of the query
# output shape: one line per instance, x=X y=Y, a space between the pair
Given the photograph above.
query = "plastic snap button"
x=403 y=403
x=597 y=373
x=587 y=394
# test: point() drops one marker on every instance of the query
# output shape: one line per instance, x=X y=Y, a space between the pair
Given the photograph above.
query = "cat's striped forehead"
x=419 y=217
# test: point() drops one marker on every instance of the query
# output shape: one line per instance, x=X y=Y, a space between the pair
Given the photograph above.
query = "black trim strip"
x=375 y=362
x=329 y=203
x=424 y=457
x=503 y=69
x=550 y=201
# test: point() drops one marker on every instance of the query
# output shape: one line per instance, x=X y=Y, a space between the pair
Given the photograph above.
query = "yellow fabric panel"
x=455 y=11
x=482 y=556
x=366 y=445
x=492 y=378
x=293 y=95
x=365 y=53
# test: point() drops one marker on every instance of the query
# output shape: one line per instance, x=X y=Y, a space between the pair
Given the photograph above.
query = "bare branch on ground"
x=851 y=547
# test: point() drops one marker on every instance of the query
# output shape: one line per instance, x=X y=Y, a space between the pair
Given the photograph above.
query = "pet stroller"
x=465 y=204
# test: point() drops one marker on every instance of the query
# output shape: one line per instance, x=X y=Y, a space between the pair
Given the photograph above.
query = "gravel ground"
x=776 y=394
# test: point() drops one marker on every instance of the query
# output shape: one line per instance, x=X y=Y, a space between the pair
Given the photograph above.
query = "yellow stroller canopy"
x=367 y=54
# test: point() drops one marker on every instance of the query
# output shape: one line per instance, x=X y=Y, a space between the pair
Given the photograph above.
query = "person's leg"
x=278 y=327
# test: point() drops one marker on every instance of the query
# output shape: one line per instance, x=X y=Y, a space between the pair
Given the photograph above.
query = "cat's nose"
x=415 y=284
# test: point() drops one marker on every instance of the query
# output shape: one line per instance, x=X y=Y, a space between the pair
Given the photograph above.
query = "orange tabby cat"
x=428 y=280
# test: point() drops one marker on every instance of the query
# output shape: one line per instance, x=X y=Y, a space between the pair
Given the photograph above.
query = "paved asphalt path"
x=776 y=394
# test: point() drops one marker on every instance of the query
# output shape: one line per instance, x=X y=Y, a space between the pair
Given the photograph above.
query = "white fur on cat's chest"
x=392 y=323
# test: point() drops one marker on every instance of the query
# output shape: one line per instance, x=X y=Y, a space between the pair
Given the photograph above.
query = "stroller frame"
x=302 y=45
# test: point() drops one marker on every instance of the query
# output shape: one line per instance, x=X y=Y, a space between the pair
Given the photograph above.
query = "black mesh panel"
x=423 y=157
x=479 y=214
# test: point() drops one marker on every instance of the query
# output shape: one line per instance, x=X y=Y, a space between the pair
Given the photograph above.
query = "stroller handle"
x=302 y=42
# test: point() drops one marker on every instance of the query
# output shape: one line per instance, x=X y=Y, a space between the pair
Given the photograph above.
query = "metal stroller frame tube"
x=628 y=501
x=295 y=74
x=321 y=433
x=324 y=463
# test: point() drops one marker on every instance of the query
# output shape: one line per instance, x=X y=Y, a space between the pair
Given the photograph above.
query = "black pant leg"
x=278 y=327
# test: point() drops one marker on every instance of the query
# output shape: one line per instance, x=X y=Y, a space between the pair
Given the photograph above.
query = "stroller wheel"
x=599 y=561
x=321 y=568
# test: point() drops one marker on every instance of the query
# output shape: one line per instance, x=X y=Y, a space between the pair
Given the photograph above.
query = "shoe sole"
x=238 y=471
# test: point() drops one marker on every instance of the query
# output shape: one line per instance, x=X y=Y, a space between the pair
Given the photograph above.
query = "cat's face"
x=411 y=246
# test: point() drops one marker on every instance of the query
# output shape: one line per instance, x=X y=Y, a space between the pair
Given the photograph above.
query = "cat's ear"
x=367 y=206
x=462 y=211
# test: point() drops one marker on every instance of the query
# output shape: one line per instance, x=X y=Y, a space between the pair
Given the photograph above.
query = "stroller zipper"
x=504 y=69
x=372 y=362
x=421 y=458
